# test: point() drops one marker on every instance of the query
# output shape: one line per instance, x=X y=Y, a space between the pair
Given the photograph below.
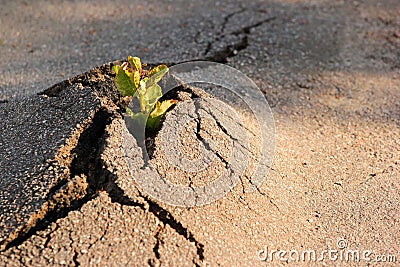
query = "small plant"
x=132 y=80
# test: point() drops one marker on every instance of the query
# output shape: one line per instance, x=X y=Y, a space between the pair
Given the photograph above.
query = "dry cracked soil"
x=330 y=71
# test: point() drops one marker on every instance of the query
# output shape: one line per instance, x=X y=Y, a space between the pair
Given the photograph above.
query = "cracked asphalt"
x=329 y=69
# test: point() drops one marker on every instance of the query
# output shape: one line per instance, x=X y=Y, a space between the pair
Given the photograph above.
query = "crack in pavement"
x=229 y=51
x=117 y=195
x=222 y=29
x=156 y=247
x=228 y=17
x=75 y=258
x=235 y=140
x=86 y=164
x=207 y=145
x=167 y=218
x=247 y=29
x=161 y=214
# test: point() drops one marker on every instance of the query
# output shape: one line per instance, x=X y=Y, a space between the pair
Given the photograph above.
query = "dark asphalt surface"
x=32 y=131
x=84 y=35
x=47 y=141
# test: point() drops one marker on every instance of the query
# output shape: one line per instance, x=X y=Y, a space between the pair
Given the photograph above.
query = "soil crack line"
x=229 y=51
x=168 y=219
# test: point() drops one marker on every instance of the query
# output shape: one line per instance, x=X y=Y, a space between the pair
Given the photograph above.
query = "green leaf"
x=123 y=81
x=153 y=121
x=136 y=79
x=156 y=74
x=157 y=69
x=130 y=81
x=135 y=63
x=153 y=93
x=161 y=108
x=153 y=124
x=116 y=68
x=142 y=86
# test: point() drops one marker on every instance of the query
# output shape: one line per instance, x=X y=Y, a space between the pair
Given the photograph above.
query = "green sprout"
x=132 y=80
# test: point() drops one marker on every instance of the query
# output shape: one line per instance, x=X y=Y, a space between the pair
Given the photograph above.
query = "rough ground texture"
x=50 y=143
x=329 y=69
